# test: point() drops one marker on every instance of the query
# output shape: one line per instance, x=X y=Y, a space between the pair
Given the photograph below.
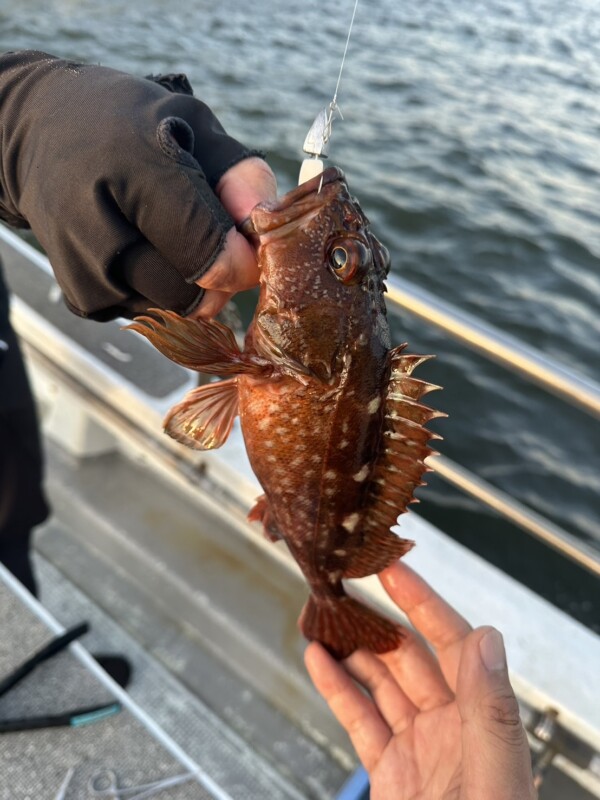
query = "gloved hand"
x=119 y=178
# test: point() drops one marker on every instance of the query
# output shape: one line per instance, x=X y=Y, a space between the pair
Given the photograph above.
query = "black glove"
x=115 y=176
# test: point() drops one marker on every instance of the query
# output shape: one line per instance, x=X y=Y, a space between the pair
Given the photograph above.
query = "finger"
x=139 y=265
x=246 y=184
x=234 y=269
x=212 y=302
x=355 y=712
x=393 y=704
x=417 y=671
x=178 y=213
x=431 y=615
x=496 y=759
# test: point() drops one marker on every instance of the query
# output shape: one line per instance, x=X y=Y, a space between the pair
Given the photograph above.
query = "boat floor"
x=192 y=622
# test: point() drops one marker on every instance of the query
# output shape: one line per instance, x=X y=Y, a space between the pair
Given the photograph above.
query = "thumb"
x=247 y=183
x=233 y=270
x=496 y=758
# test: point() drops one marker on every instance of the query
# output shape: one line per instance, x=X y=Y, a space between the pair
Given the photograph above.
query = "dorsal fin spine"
x=403 y=447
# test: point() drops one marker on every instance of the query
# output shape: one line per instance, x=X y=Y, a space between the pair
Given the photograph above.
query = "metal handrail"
x=530 y=521
x=497 y=345
x=531 y=364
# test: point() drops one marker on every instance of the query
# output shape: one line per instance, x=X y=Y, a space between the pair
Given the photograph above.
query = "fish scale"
x=331 y=415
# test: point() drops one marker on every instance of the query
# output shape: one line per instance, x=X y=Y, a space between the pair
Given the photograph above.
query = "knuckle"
x=501 y=712
x=368 y=670
x=354 y=726
x=377 y=681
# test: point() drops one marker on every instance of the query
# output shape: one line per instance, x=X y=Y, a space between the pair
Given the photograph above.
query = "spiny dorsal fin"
x=403 y=445
x=400 y=465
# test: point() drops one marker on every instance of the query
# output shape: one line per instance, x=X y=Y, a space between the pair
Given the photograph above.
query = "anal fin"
x=204 y=418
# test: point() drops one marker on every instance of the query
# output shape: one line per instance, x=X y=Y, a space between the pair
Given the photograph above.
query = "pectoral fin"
x=202 y=344
x=261 y=512
x=204 y=418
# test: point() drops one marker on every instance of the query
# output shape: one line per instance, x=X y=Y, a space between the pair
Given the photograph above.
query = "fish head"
x=322 y=274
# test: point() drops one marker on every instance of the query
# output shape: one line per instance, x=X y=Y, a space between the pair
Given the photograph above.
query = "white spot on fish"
x=272 y=459
x=340 y=553
x=361 y=474
x=374 y=405
x=344 y=443
x=264 y=423
x=330 y=475
x=335 y=576
x=350 y=522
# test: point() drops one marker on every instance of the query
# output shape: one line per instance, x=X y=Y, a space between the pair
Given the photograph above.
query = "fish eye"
x=349 y=260
x=339 y=257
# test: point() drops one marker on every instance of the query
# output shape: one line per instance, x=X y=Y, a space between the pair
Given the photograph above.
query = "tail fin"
x=343 y=625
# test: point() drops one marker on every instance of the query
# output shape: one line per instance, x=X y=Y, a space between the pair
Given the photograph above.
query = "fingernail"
x=491 y=648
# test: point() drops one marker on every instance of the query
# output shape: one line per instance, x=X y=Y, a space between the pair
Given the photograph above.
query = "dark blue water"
x=471 y=137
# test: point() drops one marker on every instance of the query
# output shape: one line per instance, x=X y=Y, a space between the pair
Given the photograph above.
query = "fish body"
x=330 y=413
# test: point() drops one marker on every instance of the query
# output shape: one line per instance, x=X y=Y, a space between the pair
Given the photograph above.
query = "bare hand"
x=235 y=269
x=432 y=728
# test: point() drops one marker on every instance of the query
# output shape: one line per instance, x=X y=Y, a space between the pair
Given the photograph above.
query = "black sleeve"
x=115 y=176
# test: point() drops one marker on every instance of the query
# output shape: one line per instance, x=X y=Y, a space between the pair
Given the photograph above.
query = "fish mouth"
x=313 y=186
x=303 y=199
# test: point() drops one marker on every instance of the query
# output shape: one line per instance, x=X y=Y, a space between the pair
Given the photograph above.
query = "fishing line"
x=319 y=133
x=333 y=104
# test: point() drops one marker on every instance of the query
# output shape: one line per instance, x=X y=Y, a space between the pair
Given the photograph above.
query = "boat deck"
x=37 y=763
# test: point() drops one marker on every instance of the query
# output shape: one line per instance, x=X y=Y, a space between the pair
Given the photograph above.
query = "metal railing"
x=518 y=358
x=497 y=345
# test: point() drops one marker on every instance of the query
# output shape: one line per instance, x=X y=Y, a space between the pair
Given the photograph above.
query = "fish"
x=330 y=412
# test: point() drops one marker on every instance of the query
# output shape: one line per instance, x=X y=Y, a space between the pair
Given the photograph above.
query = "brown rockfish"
x=330 y=413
